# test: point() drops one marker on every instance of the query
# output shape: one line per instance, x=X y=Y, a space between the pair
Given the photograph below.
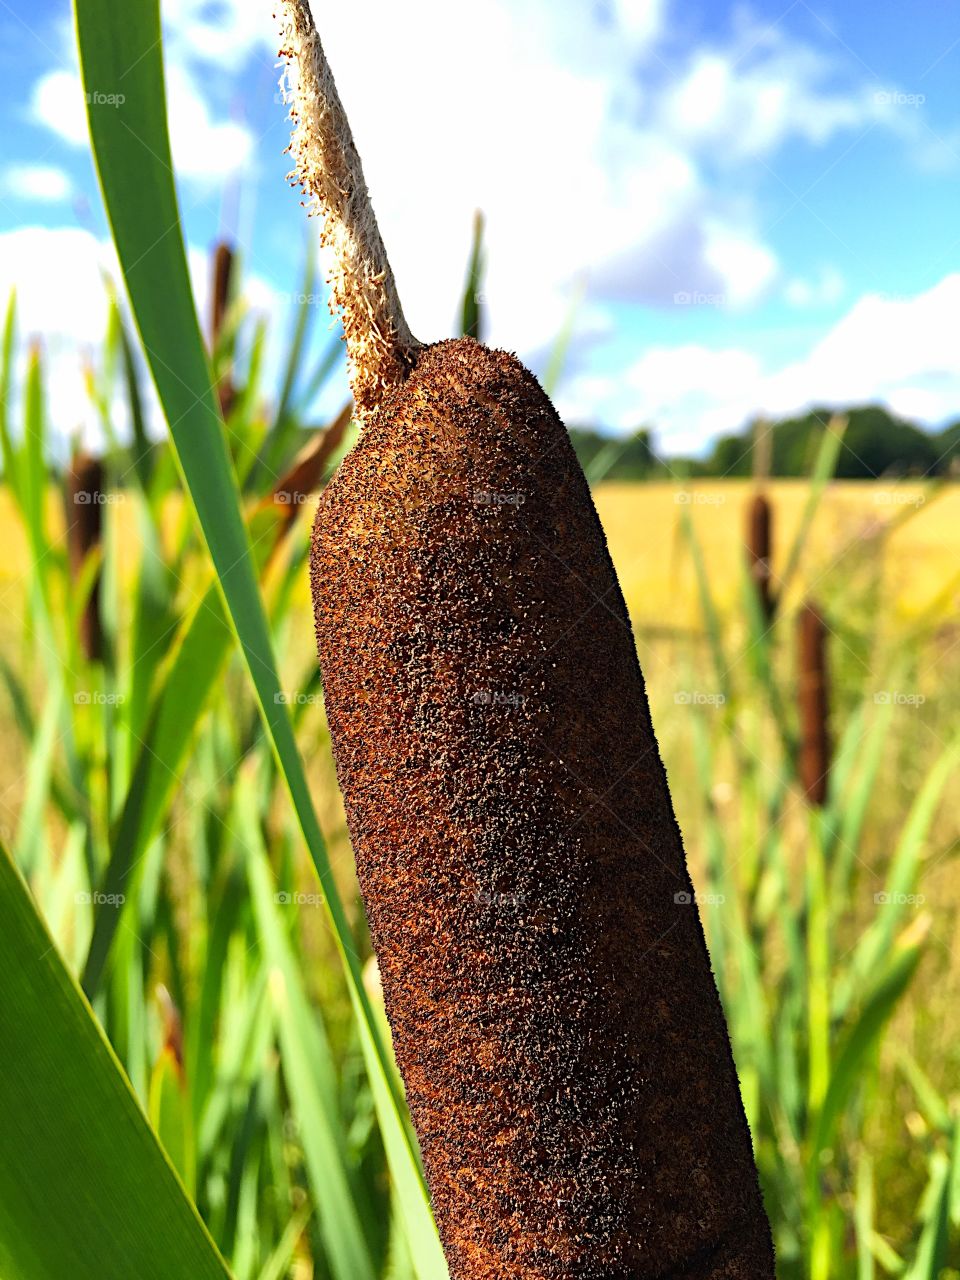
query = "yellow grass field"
x=642 y=522
x=921 y=556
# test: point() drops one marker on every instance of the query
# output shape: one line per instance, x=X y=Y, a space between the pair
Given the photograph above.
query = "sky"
x=738 y=209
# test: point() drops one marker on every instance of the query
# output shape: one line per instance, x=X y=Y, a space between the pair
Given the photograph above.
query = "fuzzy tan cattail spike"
x=759 y=551
x=554 y=1015
x=380 y=347
x=84 y=514
x=814 y=708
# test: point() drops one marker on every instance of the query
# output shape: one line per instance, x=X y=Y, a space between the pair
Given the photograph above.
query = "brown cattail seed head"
x=223 y=257
x=760 y=550
x=813 y=692
x=544 y=969
x=84 y=515
x=220 y=294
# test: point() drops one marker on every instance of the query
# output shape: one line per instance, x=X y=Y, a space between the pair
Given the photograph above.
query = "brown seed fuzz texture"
x=545 y=974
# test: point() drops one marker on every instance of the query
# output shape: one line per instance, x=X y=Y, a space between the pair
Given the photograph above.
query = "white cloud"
x=218 y=31
x=203 y=148
x=824 y=288
x=43 y=183
x=60 y=277
x=900 y=352
x=58 y=103
x=744 y=102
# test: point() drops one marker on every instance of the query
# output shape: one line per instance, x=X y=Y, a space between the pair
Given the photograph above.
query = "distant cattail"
x=304 y=476
x=84 y=514
x=760 y=550
x=813 y=692
x=220 y=295
x=544 y=969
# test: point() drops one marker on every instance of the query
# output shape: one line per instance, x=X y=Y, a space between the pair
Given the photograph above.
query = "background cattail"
x=220 y=297
x=305 y=474
x=813 y=697
x=760 y=550
x=84 y=514
x=544 y=970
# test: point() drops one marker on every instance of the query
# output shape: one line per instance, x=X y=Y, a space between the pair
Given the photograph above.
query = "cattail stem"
x=84 y=515
x=381 y=350
x=759 y=551
x=813 y=697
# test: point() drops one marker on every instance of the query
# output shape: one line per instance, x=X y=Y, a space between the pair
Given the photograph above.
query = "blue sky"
x=751 y=207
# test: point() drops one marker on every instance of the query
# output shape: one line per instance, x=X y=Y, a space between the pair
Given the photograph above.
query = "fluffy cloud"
x=203 y=148
x=898 y=351
x=42 y=183
x=61 y=280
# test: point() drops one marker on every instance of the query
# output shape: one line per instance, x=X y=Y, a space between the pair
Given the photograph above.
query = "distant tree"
x=876 y=443
x=947 y=445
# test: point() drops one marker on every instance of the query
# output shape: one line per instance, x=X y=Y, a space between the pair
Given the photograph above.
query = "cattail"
x=305 y=474
x=220 y=294
x=813 y=697
x=544 y=969
x=760 y=550
x=84 y=515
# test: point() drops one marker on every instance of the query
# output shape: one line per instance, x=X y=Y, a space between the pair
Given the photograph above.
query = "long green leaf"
x=307 y=1062
x=132 y=151
x=85 y=1190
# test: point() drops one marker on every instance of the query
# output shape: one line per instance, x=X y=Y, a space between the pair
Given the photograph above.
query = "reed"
x=84 y=520
x=814 y=705
x=221 y=291
x=554 y=1014
x=760 y=552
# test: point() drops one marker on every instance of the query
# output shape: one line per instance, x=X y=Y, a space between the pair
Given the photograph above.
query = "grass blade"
x=85 y=1190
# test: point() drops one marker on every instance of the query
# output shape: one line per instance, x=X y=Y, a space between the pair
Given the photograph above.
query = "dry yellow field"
x=920 y=555
x=920 y=559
